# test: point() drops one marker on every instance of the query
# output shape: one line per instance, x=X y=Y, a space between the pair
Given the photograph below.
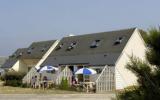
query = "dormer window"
x=43 y=49
x=72 y=46
x=59 y=47
x=118 y=41
x=21 y=53
x=95 y=44
x=29 y=51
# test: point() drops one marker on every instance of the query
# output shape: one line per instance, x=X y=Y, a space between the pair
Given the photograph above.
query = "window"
x=105 y=55
x=29 y=68
x=98 y=70
x=29 y=51
x=32 y=48
x=72 y=46
x=95 y=44
x=59 y=47
x=118 y=41
x=43 y=49
x=21 y=53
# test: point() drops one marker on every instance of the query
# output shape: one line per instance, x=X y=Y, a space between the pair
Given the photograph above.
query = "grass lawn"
x=18 y=90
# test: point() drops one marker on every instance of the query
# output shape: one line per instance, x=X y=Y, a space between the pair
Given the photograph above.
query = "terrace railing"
x=66 y=73
x=105 y=82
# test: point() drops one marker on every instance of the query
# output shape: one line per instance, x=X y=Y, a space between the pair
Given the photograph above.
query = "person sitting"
x=76 y=80
x=45 y=79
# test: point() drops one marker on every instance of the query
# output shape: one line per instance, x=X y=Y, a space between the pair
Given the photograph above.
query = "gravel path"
x=57 y=97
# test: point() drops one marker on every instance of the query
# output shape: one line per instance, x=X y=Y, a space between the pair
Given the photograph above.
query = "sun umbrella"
x=86 y=71
x=48 y=68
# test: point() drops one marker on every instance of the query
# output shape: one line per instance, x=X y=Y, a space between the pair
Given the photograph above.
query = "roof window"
x=95 y=44
x=59 y=47
x=118 y=41
x=72 y=46
x=43 y=49
x=21 y=53
x=29 y=51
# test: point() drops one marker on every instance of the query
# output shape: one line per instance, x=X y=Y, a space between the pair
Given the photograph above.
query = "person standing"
x=32 y=82
x=35 y=82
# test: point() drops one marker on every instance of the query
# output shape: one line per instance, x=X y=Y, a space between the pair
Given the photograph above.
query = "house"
x=12 y=62
x=106 y=52
x=2 y=61
x=24 y=59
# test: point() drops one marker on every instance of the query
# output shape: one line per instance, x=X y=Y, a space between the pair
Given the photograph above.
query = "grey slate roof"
x=13 y=59
x=37 y=50
x=105 y=54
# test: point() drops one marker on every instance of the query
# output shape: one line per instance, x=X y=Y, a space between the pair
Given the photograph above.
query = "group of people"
x=85 y=86
x=37 y=83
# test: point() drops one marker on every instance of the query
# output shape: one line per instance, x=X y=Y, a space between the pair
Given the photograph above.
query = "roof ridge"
x=133 y=28
x=42 y=41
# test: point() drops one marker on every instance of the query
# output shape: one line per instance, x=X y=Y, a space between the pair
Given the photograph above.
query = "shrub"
x=64 y=84
x=24 y=85
x=136 y=94
x=13 y=79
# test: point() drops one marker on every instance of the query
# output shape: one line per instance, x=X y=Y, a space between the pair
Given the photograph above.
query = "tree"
x=148 y=73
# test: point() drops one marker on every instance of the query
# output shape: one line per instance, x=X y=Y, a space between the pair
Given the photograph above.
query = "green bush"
x=131 y=94
x=64 y=84
x=147 y=72
x=13 y=80
x=24 y=85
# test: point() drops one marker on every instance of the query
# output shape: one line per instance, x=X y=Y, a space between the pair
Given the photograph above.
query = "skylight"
x=72 y=46
x=21 y=53
x=118 y=41
x=43 y=49
x=32 y=48
x=59 y=47
x=95 y=44
x=29 y=51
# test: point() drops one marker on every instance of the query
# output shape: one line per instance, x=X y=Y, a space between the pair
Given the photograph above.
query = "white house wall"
x=16 y=66
x=135 y=46
x=23 y=67
x=20 y=67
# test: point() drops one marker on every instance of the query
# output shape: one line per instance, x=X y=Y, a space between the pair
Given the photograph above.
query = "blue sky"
x=25 y=21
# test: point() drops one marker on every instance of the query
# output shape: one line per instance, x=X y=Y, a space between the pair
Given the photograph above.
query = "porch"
x=103 y=81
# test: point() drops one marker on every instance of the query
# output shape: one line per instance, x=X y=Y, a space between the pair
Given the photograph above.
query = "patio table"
x=42 y=83
x=88 y=85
